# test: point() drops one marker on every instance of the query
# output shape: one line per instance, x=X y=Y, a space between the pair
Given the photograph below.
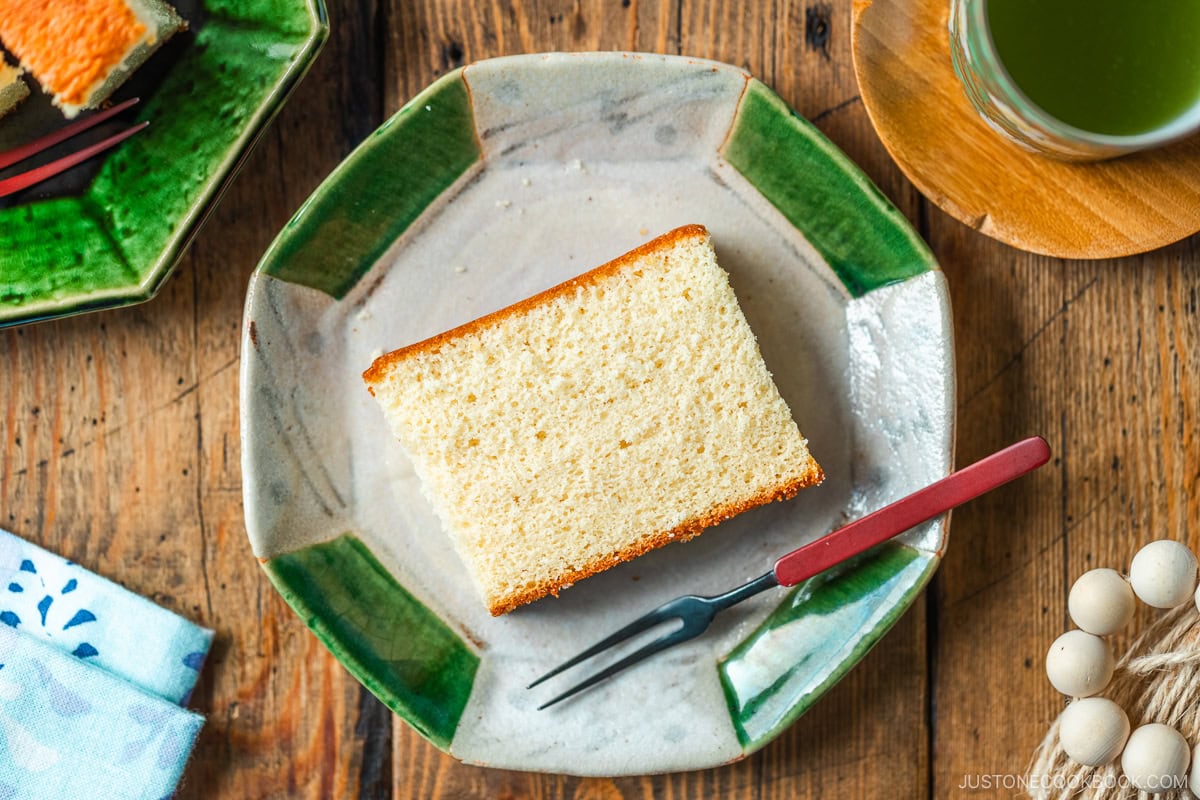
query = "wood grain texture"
x=1099 y=210
x=1101 y=357
x=119 y=449
x=119 y=444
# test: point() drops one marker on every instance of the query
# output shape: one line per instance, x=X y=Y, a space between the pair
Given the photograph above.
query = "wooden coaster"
x=1070 y=210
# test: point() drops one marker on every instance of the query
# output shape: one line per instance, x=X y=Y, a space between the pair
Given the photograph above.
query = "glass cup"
x=1007 y=110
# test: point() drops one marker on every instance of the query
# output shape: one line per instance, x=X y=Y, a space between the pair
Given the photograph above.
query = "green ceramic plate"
x=500 y=180
x=108 y=232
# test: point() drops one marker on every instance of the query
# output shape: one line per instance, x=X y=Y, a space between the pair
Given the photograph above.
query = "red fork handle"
x=951 y=491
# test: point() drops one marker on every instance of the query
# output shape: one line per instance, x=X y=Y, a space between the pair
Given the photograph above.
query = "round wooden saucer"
x=1071 y=210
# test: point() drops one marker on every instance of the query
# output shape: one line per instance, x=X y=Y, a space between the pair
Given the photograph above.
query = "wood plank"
x=1101 y=358
x=285 y=719
x=119 y=448
x=427 y=38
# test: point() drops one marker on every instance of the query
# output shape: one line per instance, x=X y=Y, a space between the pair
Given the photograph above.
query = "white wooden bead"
x=1156 y=758
x=1194 y=780
x=1079 y=664
x=1101 y=602
x=1093 y=730
x=1163 y=574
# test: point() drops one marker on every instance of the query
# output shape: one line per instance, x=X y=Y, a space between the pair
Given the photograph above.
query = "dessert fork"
x=30 y=177
x=695 y=612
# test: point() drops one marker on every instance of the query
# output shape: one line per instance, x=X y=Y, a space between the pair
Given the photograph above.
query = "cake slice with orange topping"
x=80 y=51
x=12 y=89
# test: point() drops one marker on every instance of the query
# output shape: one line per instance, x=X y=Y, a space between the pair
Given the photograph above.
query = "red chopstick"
x=10 y=157
x=30 y=177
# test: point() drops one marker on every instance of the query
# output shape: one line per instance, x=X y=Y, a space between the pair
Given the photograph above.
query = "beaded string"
x=1155 y=684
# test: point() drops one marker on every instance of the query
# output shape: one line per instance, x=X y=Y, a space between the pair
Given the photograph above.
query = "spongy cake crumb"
x=609 y=415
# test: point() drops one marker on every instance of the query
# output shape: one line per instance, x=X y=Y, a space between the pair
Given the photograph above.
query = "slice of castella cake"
x=595 y=421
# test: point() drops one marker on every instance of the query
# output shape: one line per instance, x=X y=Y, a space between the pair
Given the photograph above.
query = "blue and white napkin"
x=91 y=681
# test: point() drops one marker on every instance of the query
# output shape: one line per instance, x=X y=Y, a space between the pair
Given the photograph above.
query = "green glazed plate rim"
x=78 y=297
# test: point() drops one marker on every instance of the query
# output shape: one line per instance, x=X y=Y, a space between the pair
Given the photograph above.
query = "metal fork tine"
x=662 y=643
x=695 y=612
x=642 y=623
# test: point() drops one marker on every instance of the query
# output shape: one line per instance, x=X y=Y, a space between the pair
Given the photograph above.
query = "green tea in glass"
x=1081 y=79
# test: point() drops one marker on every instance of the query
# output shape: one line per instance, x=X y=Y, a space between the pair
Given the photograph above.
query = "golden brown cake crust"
x=379 y=368
x=688 y=530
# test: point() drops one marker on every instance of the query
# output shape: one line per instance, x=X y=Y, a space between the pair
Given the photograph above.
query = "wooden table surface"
x=119 y=443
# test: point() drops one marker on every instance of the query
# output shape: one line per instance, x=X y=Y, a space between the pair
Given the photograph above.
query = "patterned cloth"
x=91 y=678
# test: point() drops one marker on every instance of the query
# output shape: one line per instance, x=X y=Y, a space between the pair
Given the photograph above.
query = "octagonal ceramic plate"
x=108 y=232
x=500 y=180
